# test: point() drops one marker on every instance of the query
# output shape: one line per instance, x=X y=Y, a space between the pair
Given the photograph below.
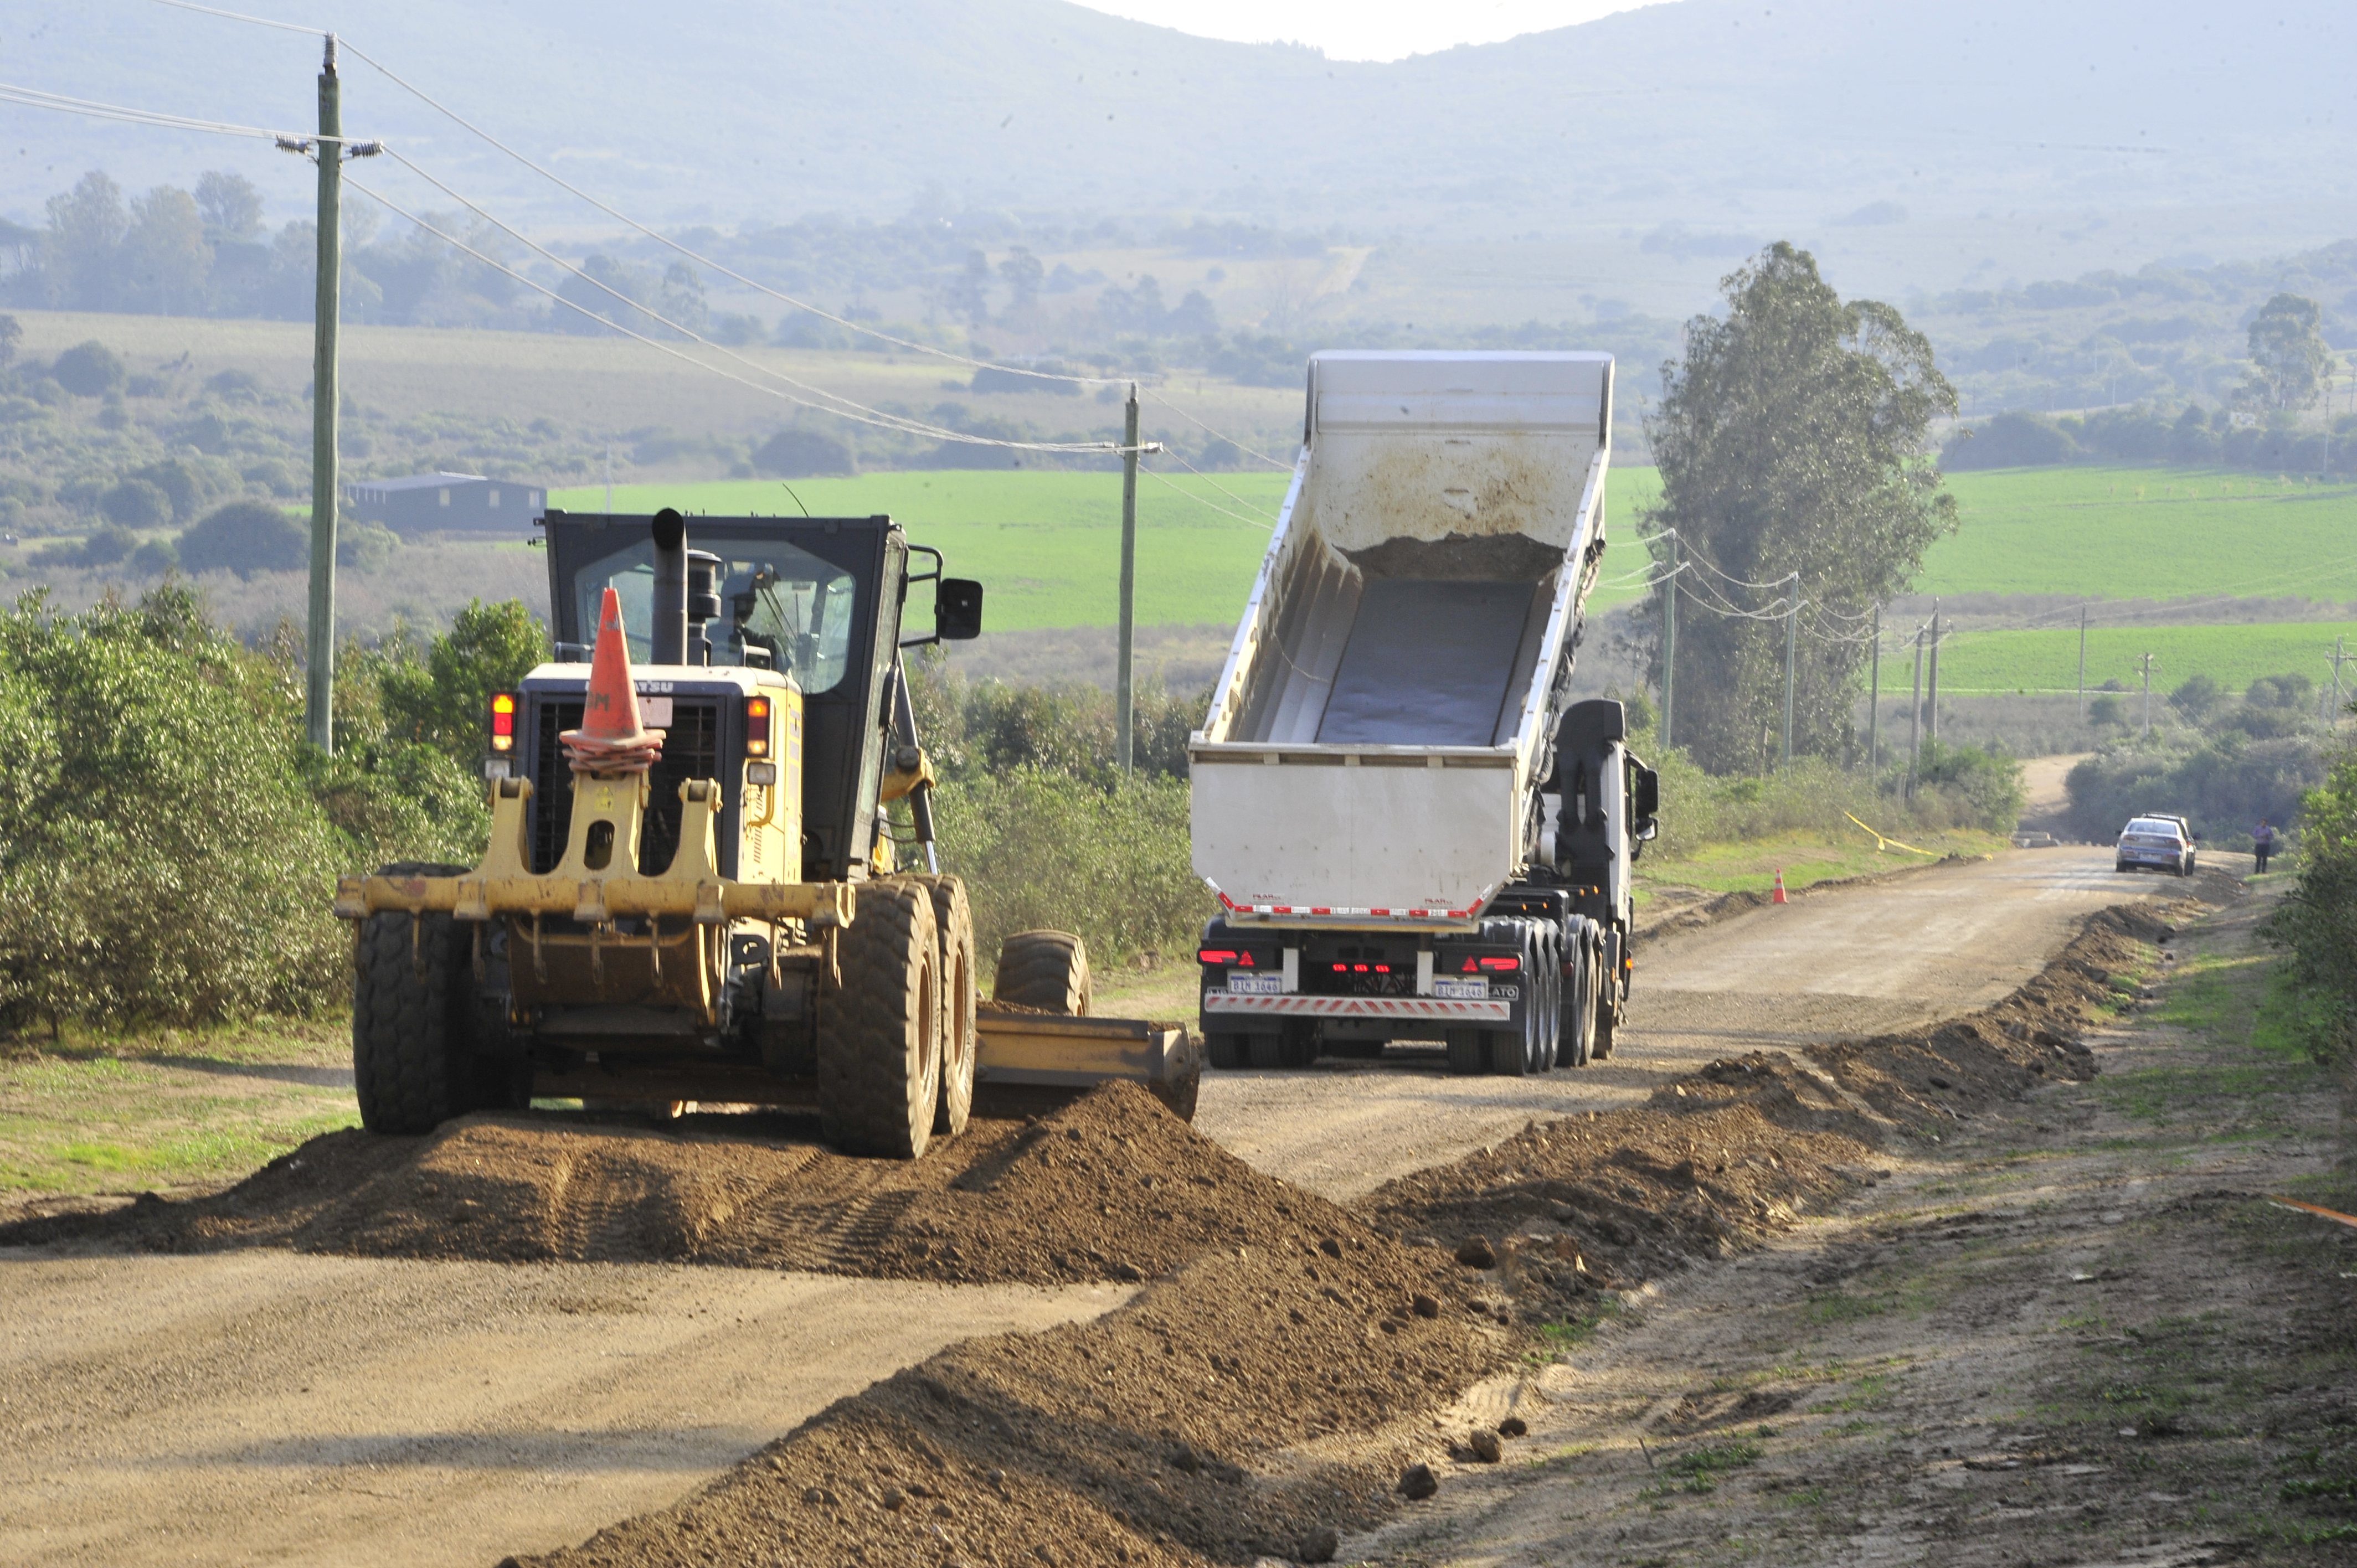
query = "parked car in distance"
x=2155 y=843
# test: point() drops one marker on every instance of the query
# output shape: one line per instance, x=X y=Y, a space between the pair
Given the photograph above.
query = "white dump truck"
x=1413 y=833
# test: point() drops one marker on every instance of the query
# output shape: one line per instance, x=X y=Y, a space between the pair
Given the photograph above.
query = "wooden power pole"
x=319 y=672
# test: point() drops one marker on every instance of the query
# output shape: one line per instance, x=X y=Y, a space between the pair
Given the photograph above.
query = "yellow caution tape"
x=1880 y=842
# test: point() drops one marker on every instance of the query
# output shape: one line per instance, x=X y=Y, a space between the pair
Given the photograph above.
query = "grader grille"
x=691 y=750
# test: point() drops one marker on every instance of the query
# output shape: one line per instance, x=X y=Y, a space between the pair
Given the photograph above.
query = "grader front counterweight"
x=692 y=893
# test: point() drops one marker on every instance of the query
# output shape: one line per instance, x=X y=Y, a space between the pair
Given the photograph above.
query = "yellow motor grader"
x=705 y=900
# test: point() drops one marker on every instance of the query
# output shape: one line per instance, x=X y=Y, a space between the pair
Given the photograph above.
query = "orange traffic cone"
x=1779 y=898
x=612 y=737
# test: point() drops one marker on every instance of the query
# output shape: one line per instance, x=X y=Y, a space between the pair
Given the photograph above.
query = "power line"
x=1273 y=462
x=35 y=98
x=1262 y=524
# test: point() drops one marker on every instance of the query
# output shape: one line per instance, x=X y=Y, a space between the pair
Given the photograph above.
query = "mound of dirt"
x=1111 y=1187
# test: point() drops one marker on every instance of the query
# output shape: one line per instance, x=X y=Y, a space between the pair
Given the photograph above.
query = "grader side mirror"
x=957 y=609
x=1645 y=792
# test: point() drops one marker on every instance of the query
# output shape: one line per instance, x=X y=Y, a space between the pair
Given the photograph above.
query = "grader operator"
x=693 y=892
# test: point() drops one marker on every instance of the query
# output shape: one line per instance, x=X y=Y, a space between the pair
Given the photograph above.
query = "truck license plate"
x=1476 y=989
x=1255 y=984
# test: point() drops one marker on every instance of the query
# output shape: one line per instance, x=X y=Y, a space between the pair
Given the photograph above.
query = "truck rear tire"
x=879 y=1040
x=1579 y=996
x=1516 y=1053
x=1468 y=1052
x=1608 y=1022
x=1047 y=970
x=413 y=1018
x=1226 y=1051
x=954 y=929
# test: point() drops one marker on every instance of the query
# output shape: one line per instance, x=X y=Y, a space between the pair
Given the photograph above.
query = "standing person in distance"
x=2263 y=842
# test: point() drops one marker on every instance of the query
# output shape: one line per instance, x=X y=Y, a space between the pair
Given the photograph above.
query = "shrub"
x=167 y=864
x=793 y=453
x=1039 y=848
x=2197 y=698
x=89 y=370
x=246 y=537
x=2009 y=441
x=136 y=503
x=443 y=699
x=154 y=558
x=2316 y=923
x=2224 y=786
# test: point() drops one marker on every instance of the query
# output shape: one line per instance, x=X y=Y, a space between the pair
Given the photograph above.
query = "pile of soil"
x=1114 y=1187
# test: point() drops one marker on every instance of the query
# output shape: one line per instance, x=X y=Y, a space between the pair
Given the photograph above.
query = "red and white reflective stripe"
x=1359 y=1007
x=1338 y=909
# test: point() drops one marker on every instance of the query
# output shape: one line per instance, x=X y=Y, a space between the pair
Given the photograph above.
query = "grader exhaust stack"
x=692 y=891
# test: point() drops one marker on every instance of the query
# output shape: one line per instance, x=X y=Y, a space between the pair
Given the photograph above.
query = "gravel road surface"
x=267 y=1406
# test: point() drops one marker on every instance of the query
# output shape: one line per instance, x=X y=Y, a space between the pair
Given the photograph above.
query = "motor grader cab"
x=695 y=891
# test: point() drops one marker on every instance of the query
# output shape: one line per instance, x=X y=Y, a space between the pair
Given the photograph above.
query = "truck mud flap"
x=1494 y=1011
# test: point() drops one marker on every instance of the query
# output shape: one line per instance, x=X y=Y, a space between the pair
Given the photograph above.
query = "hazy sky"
x=1364 y=29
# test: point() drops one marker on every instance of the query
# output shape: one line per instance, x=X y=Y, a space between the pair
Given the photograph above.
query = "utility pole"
x=320 y=674
x=1935 y=673
x=2147 y=661
x=2082 y=665
x=1915 y=716
x=1670 y=643
x=1122 y=696
x=1791 y=633
x=2340 y=652
x=1874 y=697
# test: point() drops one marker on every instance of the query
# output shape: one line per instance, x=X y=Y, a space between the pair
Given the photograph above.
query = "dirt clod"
x=1475 y=1252
x=1513 y=1426
x=1418 y=1482
x=1427 y=1305
x=1485 y=1446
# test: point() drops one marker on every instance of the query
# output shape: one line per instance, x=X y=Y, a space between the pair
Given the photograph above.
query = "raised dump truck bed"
x=1379 y=771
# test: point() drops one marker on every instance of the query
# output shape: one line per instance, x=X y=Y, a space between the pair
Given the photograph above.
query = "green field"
x=2047 y=661
x=1047 y=542
x=2156 y=533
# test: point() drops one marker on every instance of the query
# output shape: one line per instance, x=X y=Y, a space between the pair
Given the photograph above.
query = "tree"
x=2289 y=359
x=86 y=226
x=89 y=370
x=444 y=701
x=968 y=294
x=232 y=208
x=1791 y=438
x=1023 y=273
x=11 y=334
x=165 y=258
x=246 y=537
x=2197 y=698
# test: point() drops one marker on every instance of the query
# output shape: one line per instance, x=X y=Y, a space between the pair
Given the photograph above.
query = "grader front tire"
x=879 y=1044
x=412 y=1018
x=953 y=927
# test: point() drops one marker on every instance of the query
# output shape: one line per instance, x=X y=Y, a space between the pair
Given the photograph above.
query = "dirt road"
x=1839 y=962
x=248 y=1406
x=257 y=1406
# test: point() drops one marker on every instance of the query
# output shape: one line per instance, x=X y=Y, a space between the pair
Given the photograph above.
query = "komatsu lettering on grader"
x=693 y=892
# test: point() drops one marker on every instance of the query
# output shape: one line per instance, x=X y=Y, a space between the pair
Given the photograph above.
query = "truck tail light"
x=1214 y=955
x=1504 y=963
x=503 y=709
x=756 y=726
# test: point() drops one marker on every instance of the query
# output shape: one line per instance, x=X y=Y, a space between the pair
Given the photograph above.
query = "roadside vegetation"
x=2222 y=761
x=2316 y=927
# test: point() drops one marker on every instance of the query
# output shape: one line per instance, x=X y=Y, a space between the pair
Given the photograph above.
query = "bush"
x=2197 y=698
x=154 y=558
x=794 y=454
x=2316 y=923
x=1039 y=848
x=136 y=503
x=2009 y=441
x=2224 y=787
x=166 y=864
x=89 y=370
x=365 y=546
x=246 y=537
x=443 y=699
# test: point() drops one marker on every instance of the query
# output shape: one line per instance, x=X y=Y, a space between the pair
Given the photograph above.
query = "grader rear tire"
x=413 y=1018
x=1047 y=970
x=954 y=929
x=879 y=1040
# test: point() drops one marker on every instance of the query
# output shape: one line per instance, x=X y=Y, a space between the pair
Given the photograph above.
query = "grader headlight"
x=503 y=716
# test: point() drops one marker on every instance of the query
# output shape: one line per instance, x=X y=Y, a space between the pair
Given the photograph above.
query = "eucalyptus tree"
x=1792 y=437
